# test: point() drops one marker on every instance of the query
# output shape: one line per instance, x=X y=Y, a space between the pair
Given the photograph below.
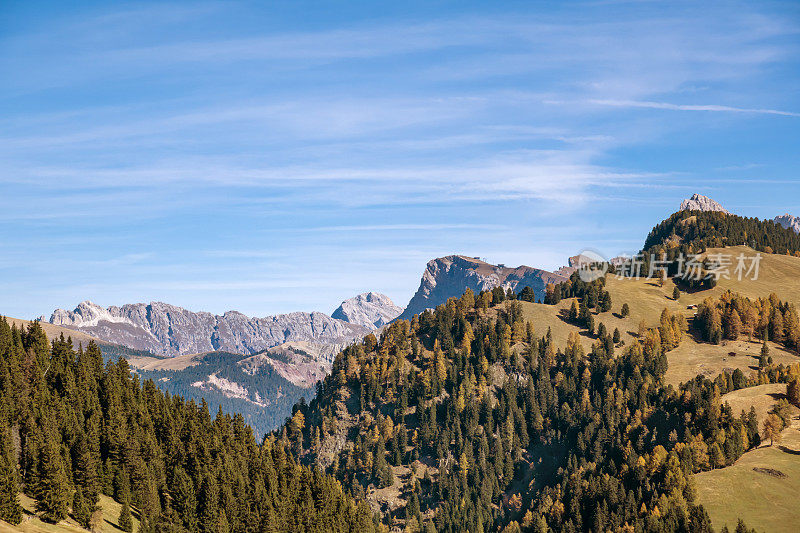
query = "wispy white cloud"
x=692 y=107
x=409 y=227
x=266 y=165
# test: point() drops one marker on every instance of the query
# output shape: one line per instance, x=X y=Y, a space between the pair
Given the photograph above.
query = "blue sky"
x=272 y=157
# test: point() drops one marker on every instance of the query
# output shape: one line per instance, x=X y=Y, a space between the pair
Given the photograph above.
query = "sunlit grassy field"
x=646 y=299
x=32 y=524
x=766 y=501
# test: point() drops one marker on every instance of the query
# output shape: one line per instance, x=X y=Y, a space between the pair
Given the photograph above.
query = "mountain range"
x=168 y=330
x=288 y=351
x=472 y=407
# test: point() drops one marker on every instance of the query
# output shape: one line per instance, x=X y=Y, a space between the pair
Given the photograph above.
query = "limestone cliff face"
x=169 y=330
x=789 y=221
x=698 y=202
x=370 y=309
x=451 y=276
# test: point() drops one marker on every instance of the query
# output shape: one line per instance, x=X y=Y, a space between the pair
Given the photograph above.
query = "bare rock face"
x=698 y=202
x=300 y=362
x=451 y=276
x=370 y=309
x=169 y=330
x=789 y=222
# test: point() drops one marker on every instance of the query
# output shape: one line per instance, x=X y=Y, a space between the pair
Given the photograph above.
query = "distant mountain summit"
x=789 y=221
x=370 y=309
x=698 y=202
x=450 y=276
x=169 y=330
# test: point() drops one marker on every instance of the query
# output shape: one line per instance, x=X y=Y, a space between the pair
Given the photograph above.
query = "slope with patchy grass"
x=646 y=299
x=32 y=524
x=762 y=486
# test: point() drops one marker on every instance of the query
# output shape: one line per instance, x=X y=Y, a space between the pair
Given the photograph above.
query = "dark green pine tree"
x=184 y=500
x=82 y=509
x=209 y=506
x=86 y=474
x=51 y=486
x=10 y=510
x=125 y=521
x=606 y=303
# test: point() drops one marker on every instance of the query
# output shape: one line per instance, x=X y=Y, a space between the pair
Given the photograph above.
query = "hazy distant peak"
x=789 y=221
x=166 y=329
x=369 y=309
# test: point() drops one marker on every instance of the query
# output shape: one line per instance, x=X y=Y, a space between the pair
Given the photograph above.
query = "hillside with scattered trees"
x=510 y=431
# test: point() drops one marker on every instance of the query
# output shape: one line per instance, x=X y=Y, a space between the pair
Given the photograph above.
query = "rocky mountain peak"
x=789 y=221
x=698 y=202
x=86 y=314
x=370 y=309
x=450 y=276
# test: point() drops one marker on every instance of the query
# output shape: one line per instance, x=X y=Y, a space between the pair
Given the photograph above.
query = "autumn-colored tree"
x=733 y=324
x=642 y=328
x=771 y=428
x=793 y=391
x=750 y=322
x=776 y=321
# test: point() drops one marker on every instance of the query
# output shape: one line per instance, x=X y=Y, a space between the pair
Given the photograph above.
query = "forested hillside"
x=692 y=232
x=494 y=426
x=263 y=398
x=72 y=428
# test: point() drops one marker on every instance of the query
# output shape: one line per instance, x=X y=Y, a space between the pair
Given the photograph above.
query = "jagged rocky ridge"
x=698 y=202
x=370 y=309
x=169 y=330
x=789 y=221
x=448 y=277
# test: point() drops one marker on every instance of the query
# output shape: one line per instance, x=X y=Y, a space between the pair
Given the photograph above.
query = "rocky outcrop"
x=169 y=330
x=698 y=202
x=788 y=221
x=370 y=309
x=300 y=362
x=451 y=276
